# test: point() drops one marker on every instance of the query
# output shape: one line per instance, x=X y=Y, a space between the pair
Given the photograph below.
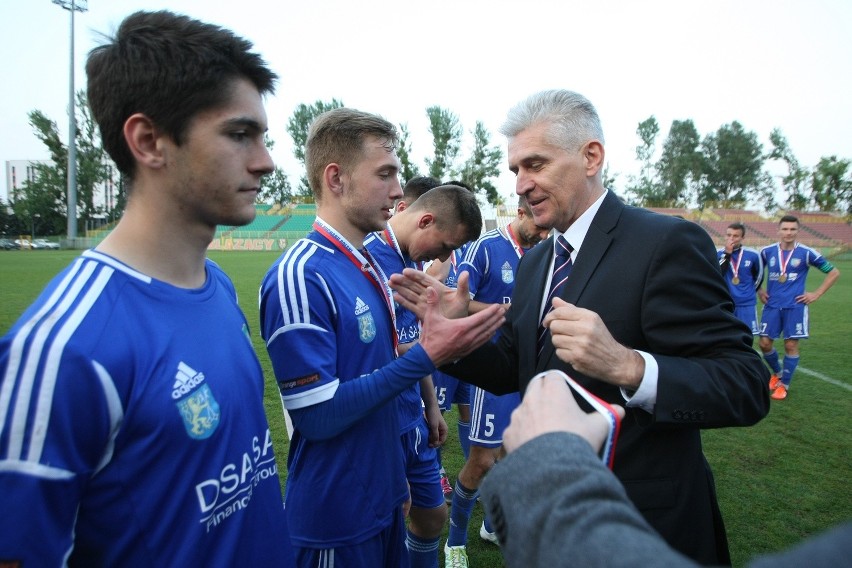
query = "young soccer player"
x=327 y=315
x=786 y=310
x=430 y=228
x=742 y=269
x=132 y=425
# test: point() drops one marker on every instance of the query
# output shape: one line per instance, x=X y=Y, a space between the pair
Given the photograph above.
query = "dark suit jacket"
x=655 y=282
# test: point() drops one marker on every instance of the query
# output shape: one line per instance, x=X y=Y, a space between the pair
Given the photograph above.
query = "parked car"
x=44 y=244
x=24 y=243
x=6 y=244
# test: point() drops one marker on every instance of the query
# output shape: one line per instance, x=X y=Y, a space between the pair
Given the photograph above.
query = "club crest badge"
x=796 y=262
x=366 y=324
x=508 y=274
x=197 y=406
x=200 y=413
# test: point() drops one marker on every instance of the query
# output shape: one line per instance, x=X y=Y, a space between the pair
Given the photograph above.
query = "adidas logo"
x=360 y=307
x=186 y=379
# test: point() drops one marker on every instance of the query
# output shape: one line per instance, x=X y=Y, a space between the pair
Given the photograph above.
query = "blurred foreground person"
x=571 y=510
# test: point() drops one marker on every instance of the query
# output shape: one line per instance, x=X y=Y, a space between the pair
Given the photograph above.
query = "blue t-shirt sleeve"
x=48 y=457
x=355 y=399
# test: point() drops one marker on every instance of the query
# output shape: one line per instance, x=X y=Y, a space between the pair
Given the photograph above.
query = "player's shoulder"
x=303 y=259
x=488 y=240
x=306 y=251
x=805 y=249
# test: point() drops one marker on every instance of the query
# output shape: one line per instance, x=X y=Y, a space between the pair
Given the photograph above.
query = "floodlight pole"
x=72 y=6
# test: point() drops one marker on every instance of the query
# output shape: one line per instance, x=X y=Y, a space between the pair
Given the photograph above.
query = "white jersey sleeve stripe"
x=291 y=327
x=300 y=305
x=40 y=327
x=116 y=412
x=285 y=312
x=327 y=290
x=309 y=398
x=35 y=469
x=117 y=265
x=16 y=350
x=54 y=356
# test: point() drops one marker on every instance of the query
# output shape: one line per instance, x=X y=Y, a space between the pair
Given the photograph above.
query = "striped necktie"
x=561 y=269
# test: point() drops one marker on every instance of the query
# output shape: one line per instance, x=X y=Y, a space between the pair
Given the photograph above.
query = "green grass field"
x=780 y=481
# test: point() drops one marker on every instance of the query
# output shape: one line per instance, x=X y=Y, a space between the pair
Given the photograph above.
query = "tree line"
x=726 y=168
x=40 y=204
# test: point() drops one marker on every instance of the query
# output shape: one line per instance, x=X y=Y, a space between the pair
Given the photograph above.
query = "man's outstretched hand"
x=410 y=287
x=446 y=340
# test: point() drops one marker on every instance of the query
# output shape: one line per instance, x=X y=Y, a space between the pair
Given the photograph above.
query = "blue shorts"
x=387 y=548
x=421 y=468
x=748 y=315
x=793 y=322
x=449 y=390
x=489 y=416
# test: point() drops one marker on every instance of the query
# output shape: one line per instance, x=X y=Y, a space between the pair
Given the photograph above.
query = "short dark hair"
x=168 y=67
x=460 y=184
x=417 y=186
x=337 y=136
x=453 y=205
x=789 y=219
x=738 y=227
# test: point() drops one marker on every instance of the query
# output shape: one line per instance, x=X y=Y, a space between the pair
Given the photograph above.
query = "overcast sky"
x=766 y=64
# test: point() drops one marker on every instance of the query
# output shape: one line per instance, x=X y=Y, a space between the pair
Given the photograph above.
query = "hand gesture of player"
x=410 y=291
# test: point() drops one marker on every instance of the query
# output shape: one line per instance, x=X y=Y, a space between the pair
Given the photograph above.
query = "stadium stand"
x=830 y=232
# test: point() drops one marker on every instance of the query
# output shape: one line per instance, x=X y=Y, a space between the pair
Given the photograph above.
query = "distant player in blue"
x=786 y=301
x=429 y=228
x=490 y=262
x=132 y=425
x=742 y=269
x=328 y=318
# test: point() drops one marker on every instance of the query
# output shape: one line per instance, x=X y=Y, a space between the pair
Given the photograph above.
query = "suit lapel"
x=526 y=303
x=595 y=245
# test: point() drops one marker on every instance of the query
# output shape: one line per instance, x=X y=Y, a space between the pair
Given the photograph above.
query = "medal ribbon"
x=781 y=263
x=515 y=244
x=735 y=268
x=369 y=269
x=390 y=239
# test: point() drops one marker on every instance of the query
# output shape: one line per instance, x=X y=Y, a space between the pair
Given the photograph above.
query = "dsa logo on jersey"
x=366 y=324
x=198 y=407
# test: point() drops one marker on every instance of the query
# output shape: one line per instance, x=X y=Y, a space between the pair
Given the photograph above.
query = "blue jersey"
x=787 y=272
x=392 y=260
x=326 y=323
x=491 y=262
x=743 y=276
x=132 y=426
x=455 y=260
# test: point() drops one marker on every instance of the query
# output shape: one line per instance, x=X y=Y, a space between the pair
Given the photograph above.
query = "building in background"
x=19 y=172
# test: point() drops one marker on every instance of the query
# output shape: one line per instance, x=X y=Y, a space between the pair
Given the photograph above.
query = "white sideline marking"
x=822 y=377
